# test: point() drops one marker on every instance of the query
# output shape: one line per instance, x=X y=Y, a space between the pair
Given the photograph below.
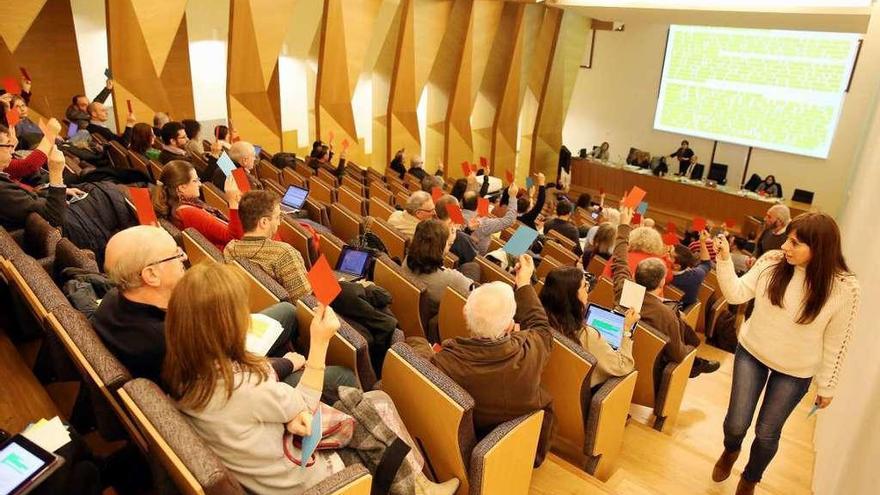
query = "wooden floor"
x=650 y=462
x=681 y=462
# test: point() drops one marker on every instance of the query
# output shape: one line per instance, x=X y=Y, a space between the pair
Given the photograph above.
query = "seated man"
x=418 y=207
x=98 y=116
x=17 y=201
x=260 y=214
x=688 y=272
x=526 y=212
x=416 y=168
x=145 y=264
x=488 y=226
x=663 y=317
x=563 y=224
x=429 y=182
x=173 y=143
x=243 y=154
x=500 y=365
x=77 y=112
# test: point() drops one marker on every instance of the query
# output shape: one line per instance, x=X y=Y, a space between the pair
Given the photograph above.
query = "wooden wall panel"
x=27 y=29
x=149 y=56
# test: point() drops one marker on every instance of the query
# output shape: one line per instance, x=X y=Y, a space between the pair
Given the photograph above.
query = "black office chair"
x=718 y=173
x=752 y=183
x=697 y=171
x=802 y=196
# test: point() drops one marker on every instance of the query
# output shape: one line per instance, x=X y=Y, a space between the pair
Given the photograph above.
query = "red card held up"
x=12 y=117
x=730 y=223
x=455 y=214
x=508 y=174
x=128 y=102
x=484 y=162
x=10 y=84
x=670 y=239
x=24 y=74
x=241 y=180
x=143 y=205
x=699 y=224
x=670 y=227
x=474 y=167
x=436 y=193
x=323 y=281
x=634 y=197
x=482 y=207
x=465 y=168
x=345 y=144
x=330 y=137
x=637 y=218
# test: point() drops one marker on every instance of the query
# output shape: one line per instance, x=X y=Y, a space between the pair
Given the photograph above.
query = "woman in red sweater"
x=176 y=198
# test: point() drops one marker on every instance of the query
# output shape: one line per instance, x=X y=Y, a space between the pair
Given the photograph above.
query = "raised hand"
x=233 y=194
x=324 y=325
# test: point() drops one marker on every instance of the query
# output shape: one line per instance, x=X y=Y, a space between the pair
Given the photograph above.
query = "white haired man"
x=244 y=155
x=501 y=363
x=419 y=206
x=417 y=168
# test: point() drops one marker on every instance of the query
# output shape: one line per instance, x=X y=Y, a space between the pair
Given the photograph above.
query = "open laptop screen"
x=295 y=197
x=353 y=261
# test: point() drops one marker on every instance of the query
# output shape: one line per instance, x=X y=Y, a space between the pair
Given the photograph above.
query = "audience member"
x=685 y=155
x=643 y=243
x=235 y=403
x=463 y=246
x=429 y=182
x=739 y=255
x=486 y=227
x=565 y=298
x=602 y=244
x=97 y=118
x=418 y=207
x=769 y=187
x=695 y=245
x=603 y=152
x=244 y=155
x=77 y=113
x=650 y=272
x=424 y=262
x=500 y=365
x=173 y=143
x=159 y=121
x=194 y=144
x=321 y=157
x=222 y=135
x=177 y=199
x=27 y=131
x=416 y=168
x=562 y=223
x=806 y=304
x=772 y=236
x=688 y=273
x=145 y=265
x=28 y=170
x=17 y=201
x=142 y=140
x=260 y=214
x=608 y=215
x=397 y=163
x=527 y=213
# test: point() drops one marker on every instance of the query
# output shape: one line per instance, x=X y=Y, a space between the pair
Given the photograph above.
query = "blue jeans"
x=782 y=394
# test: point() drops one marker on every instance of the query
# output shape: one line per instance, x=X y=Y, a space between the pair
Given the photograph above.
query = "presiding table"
x=672 y=198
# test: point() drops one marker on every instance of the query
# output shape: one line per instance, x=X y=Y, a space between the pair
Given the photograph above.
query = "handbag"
x=337 y=429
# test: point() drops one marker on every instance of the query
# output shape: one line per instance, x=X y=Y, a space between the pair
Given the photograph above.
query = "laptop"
x=608 y=323
x=352 y=264
x=294 y=199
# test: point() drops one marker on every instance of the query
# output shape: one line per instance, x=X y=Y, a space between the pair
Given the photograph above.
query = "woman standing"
x=806 y=302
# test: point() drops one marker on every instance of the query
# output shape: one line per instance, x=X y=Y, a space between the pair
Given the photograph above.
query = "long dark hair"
x=141 y=138
x=165 y=198
x=820 y=232
x=428 y=247
x=560 y=300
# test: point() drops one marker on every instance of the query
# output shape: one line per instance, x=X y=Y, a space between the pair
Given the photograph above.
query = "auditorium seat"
x=347 y=347
x=302 y=169
x=379 y=208
x=39 y=240
x=546 y=266
x=596 y=265
x=328 y=177
x=215 y=198
x=290 y=178
x=138 y=163
x=401 y=197
x=265 y=170
x=395 y=242
x=263 y=290
x=660 y=389
x=38 y=292
x=490 y=272
x=450 y=317
x=198 y=248
x=67 y=255
x=352 y=200
x=155 y=170
x=183 y=458
x=378 y=191
x=691 y=314
x=718 y=307
x=321 y=191
x=560 y=252
x=297 y=236
x=565 y=241
x=704 y=297
x=274 y=187
x=344 y=223
x=118 y=156
x=589 y=431
x=603 y=293
x=408 y=296
x=353 y=480
x=438 y=414
x=672 y=293
x=354 y=184
x=317 y=212
x=331 y=248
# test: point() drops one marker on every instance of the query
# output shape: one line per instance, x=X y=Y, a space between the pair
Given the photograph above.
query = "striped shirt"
x=278 y=259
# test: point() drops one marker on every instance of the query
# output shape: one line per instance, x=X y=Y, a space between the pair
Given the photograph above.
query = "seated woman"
x=424 y=262
x=234 y=401
x=177 y=199
x=565 y=299
x=769 y=187
x=602 y=243
x=321 y=157
x=142 y=142
x=645 y=242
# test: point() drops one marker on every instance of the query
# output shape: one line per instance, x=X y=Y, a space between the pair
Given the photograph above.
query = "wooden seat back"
x=407 y=298
x=352 y=200
x=490 y=272
x=647 y=347
x=395 y=242
x=450 y=317
x=344 y=223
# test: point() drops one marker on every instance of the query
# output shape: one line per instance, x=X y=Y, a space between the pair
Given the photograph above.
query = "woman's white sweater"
x=772 y=334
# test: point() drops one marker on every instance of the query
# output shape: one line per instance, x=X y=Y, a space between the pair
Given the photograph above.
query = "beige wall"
x=616 y=99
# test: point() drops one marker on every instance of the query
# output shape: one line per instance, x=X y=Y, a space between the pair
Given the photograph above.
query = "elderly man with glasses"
x=418 y=207
x=145 y=264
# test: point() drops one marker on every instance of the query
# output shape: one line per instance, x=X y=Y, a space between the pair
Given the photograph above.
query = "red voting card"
x=670 y=239
x=508 y=174
x=436 y=193
x=455 y=214
x=24 y=74
x=323 y=281
x=699 y=224
x=601 y=191
x=11 y=85
x=670 y=227
x=484 y=162
x=465 y=168
x=634 y=197
x=474 y=167
x=140 y=196
x=730 y=223
x=345 y=144
x=12 y=117
x=482 y=207
x=128 y=102
x=241 y=180
x=437 y=348
x=637 y=218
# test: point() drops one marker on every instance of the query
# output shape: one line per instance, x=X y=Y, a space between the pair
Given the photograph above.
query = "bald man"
x=97 y=118
x=244 y=155
x=145 y=264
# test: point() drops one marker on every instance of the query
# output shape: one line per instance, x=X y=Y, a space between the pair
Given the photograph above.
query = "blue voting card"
x=310 y=443
x=642 y=208
x=257 y=150
x=529 y=182
x=521 y=241
x=226 y=164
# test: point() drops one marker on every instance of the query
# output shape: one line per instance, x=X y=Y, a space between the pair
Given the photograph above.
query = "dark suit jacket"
x=109 y=135
x=16 y=203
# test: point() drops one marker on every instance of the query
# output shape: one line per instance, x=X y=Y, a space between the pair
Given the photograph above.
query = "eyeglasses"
x=179 y=256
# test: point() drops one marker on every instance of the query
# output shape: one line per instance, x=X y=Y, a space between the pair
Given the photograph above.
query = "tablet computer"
x=352 y=263
x=24 y=465
x=608 y=323
x=294 y=199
